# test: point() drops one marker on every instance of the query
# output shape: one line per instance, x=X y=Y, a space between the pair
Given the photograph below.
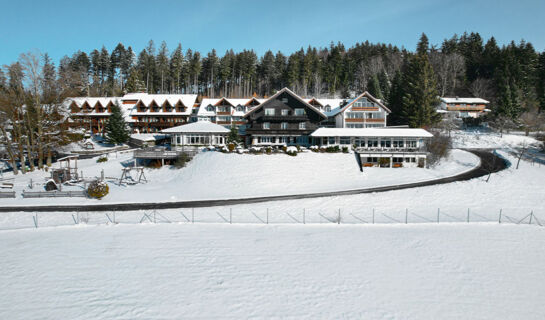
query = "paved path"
x=490 y=162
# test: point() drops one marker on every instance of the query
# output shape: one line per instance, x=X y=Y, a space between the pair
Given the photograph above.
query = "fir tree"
x=116 y=128
x=134 y=82
x=423 y=44
x=233 y=136
x=420 y=93
x=374 y=87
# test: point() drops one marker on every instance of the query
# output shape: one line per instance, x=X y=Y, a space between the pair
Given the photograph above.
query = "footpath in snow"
x=174 y=271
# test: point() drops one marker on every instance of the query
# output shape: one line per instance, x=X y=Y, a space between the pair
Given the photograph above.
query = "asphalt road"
x=490 y=162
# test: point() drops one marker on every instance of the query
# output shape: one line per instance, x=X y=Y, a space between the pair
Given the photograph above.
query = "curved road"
x=490 y=162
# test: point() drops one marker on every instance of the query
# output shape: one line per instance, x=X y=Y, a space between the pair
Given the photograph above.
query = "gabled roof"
x=197 y=127
x=188 y=100
x=367 y=95
x=293 y=95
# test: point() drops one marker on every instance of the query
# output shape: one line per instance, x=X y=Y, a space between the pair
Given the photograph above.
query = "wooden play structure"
x=67 y=171
x=127 y=177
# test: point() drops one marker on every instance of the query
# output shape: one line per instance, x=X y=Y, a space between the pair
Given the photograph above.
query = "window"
x=240 y=108
x=210 y=108
x=372 y=143
x=328 y=109
x=284 y=125
x=284 y=100
x=385 y=143
x=354 y=125
x=345 y=140
x=285 y=112
x=299 y=112
x=266 y=125
x=302 y=125
x=354 y=115
x=269 y=111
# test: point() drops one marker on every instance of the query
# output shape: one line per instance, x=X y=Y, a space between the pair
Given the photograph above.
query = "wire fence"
x=24 y=220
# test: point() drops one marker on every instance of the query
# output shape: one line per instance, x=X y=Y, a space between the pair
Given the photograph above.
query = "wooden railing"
x=375 y=120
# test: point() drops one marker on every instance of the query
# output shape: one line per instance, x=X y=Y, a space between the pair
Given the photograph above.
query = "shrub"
x=438 y=148
x=291 y=151
x=231 y=147
x=383 y=162
x=332 y=149
x=102 y=159
x=98 y=189
x=314 y=149
x=268 y=150
x=345 y=149
x=182 y=160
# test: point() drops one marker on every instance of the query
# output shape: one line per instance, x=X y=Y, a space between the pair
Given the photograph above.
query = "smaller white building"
x=201 y=133
x=384 y=147
x=364 y=111
x=463 y=107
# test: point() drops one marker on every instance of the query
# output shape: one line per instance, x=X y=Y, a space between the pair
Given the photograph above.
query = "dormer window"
x=328 y=109
x=240 y=108
x=210 y=108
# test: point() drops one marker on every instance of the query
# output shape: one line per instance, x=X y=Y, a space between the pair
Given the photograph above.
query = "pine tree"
x=423 y=45
x=420 y=93
x=134 y=82
x=176 y=68
x=374 y=87
x=540 y=85
x=116 y=128
x=233 y=136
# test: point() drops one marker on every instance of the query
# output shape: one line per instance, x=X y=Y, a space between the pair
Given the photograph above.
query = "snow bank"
x=296 y=272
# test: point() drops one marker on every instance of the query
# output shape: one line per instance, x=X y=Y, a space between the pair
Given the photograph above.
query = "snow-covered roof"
x=205 y=103
x=197 y=127
x=304 y=101
x=372 y=132
x=187 y=100
x=464 y=100
x=147 y=136
x=368 y=96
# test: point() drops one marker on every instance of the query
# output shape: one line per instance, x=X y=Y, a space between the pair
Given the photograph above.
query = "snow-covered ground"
x=479 y=139
x=215 y=175
x=211 y=271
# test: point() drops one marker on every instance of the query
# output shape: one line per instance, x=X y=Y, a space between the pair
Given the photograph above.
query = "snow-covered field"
x=212 y=271
x=215 y=175
x=321 y=270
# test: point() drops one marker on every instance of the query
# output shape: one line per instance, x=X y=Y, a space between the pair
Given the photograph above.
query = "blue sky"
x=62 y=27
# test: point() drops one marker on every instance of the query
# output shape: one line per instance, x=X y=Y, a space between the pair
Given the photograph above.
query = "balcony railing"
x=390 y=150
